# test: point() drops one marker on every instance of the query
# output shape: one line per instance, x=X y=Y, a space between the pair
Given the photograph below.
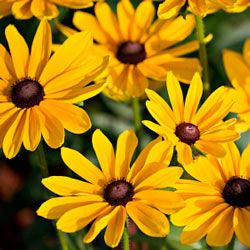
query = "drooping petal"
x=21 y=9
x=212 y=148
x=150 y=221
x=82 y=166
x=184 y=153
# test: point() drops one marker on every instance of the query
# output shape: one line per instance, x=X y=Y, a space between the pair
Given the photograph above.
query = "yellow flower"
x=115 y=190
x=184 y=127
x=237 y=67
x=25 y=9
x=218 y=203
x=171 y=8
x=37 y=92
x=139 y=49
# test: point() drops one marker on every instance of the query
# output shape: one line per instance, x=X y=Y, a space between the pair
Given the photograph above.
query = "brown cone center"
x=27 y=93
x=187 y=133
x=131 y=53
x=237 y=192
x=118 y=192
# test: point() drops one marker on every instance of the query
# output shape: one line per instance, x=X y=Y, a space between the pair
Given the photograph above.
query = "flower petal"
x=184 y=153
x=150 y=221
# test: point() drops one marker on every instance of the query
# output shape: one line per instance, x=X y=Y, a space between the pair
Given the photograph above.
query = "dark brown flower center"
x=131 y=53
x=118 y=192
x=27 y=93
x=237 y=192
x=187 y=133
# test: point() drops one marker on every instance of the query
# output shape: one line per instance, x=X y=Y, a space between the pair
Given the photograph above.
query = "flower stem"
x=45 y=173
x=203 y=54
x=137 y=115
x=230 y=246
x=164 y=243
x=125 y=236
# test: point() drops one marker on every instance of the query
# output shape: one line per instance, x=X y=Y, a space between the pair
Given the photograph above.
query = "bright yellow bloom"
x=238 y=71
x=218 y=203
x=139 y=49
x=25 y=9
x=115 y=190
x=37 y=92
x=171 y=8
x=184 y=127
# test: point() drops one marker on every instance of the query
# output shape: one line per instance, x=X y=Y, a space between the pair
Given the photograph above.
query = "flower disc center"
x=131 y=53
x=27 y=93
x=237 y=192
x=118 y=192
x=187 y=133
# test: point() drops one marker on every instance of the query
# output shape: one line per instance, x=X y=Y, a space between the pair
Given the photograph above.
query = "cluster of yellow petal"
x=25 y=9
x=128 y=76
x=171 y=8
x=85 y=201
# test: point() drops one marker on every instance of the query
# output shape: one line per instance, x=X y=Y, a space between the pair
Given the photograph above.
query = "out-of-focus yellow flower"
x=25 y=9
x=218 y=203
x=139 y=49
x=171 y=8
x=37 y=92
x=237 y=67
x=184 y=126
x=111 y=193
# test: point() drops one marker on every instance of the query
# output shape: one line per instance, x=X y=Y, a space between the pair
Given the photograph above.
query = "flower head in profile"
x=139 y=48
x=39 y=8
x=185 y=126
x=37 y=91
x=218 y=201
x=171 y=8
x=237 y=67
x=107 y=195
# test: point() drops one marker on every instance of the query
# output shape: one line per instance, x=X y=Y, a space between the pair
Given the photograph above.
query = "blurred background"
x=21 y=192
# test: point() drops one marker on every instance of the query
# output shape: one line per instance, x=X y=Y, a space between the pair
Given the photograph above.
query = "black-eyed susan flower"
x=139 y=48
x=171 y=8
x=185 y=126
x=25 y=9
x=237 y=67
x=218 y=203
x=107 y=195
x=37 y=92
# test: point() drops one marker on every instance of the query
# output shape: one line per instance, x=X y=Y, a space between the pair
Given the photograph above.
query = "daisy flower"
x=187 y=128
x=171 y=8
x=139 y=48
x=37 y=92
x=218 y=203
x=111 y=193
x=25 y=9
x=237 y=67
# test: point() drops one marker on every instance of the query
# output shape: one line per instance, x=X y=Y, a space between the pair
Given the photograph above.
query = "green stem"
x=137 y=115
x=45 y=173
x=230 y=246
x=164 y=243
x=125 y=236
x=203 y=54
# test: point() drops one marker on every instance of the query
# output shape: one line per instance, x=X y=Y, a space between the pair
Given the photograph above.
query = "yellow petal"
x=13 y=137
x=193 y=98
x=56 y=207
x=198 y=7
x=32 y=130
x=150 y=221
x=82 y=166
x=244 y=162
x=241 y=225
x=166 y=201
x=115 y=227
x=246 y=52
x=5 y=9
x=105 y=153
x=77 y=218
x=65 y=186
x=40 y=50
x=43 y=8
x=85 y=21
x=213 y=148
x=19 y=51
x=170 y=8
x=175 y=96
x=126 y=144
x=21 y=9
x=184 y=153
x=73 y=118
x=51 y=127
